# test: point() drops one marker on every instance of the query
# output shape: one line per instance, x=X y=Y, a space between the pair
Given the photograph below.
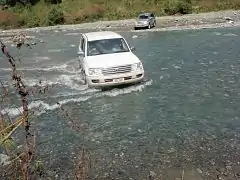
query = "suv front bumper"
x=114 y=80
x=140 y=25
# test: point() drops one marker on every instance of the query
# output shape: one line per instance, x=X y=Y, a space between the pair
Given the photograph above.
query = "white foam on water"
x=217 y=33
x=134 y=36
x=229 y=34
x=71 y=34
x=37 y=68
x=60 y=68
x=73 y=45
x=72 y=81
x=176 y=67
x=84 y=91
x=116 y=92
x=5 y=69
x=36 y=82
x=41 y=58
x=41 y=107
x=54 y=50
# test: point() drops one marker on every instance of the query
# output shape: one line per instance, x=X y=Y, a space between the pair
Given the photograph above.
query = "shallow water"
x=185 y=113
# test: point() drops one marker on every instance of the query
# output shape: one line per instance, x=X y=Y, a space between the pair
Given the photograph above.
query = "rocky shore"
x=229 y=18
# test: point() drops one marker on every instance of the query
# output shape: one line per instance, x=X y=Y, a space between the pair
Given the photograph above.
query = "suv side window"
x=152 y=15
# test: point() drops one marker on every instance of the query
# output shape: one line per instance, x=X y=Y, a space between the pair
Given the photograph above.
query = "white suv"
x=107 y=60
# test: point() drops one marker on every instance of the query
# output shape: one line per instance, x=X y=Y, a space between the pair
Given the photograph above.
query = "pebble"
x=152 y=173
x=229 y=168
x=199 y=170
x=228 y=18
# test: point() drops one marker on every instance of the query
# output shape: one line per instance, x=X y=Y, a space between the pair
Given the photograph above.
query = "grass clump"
x=10 y=20
x=53 y=12
x=178 y=7
x=88 y=13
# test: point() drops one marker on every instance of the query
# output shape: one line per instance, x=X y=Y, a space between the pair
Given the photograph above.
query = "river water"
x=184 y=115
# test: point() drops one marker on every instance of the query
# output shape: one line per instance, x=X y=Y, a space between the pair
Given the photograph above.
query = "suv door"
x=152 y=18
x=81 y=48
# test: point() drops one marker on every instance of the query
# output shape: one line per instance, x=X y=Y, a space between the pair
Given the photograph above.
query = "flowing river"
x=186 y=113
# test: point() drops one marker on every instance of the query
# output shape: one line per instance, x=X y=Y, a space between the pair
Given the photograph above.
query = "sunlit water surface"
x=185 y=113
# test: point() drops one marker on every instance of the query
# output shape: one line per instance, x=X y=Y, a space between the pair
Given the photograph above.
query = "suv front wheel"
x=154 y=24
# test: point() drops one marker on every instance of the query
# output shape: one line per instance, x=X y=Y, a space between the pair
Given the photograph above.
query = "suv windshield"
x=143 y=16
x=107 y=46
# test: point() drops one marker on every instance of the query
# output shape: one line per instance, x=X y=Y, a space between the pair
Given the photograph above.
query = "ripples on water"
x=185 y=113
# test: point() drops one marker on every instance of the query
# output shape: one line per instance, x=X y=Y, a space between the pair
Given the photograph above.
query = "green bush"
x=172 y=7
x=32 y=20
x=184 y=7
x=2 y=2
x=55 y=16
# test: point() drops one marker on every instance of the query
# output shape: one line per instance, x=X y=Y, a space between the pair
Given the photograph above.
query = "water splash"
x=41 y=107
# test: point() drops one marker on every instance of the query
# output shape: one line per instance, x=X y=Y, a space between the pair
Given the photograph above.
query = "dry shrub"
x=235 y=4
x=10 y=20
x=210 y=5
x=69 y=18
x=172 y=7
x=207 y=3
x=89 y=13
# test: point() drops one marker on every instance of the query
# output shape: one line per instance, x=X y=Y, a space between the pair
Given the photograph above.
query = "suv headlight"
x=95 y=71
x=137 y=66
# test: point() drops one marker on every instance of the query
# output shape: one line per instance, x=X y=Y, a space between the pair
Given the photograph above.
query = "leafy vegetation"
x=31 y=13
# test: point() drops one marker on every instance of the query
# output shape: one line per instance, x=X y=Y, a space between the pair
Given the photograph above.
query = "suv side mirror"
x=133 y=49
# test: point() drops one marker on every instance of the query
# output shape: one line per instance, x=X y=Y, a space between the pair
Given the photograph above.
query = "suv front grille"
x=117 y=70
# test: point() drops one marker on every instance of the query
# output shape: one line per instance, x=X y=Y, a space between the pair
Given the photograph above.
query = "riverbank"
x=46 y=13
x=228 y=18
